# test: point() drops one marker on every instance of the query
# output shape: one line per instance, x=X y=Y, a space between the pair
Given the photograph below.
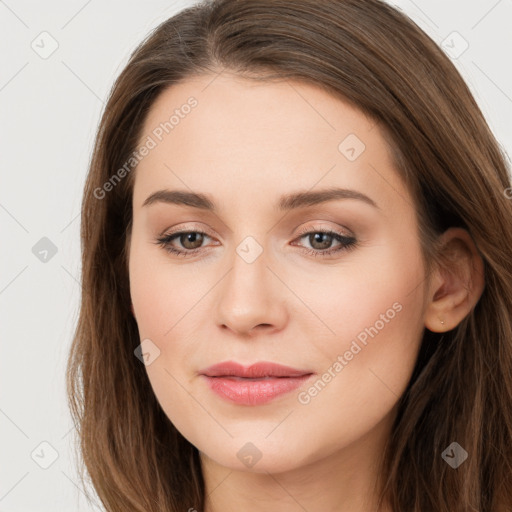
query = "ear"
x=457 y=284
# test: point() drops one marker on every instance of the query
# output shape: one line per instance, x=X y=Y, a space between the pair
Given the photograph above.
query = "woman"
x=297 y=283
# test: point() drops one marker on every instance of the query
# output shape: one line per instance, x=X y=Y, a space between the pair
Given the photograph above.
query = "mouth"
x=257 y=384
x=255 y=371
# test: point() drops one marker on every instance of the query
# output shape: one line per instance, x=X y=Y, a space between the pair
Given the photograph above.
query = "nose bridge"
x=247 y=297
x=247 y=281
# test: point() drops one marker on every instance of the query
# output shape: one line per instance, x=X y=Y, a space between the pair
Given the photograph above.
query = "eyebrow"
x=286 y=202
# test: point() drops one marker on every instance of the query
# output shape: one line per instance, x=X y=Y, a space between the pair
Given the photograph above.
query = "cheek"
x=368 y=362
x=381 y=284
x=371 y=314
x=378 y=320
x=162 y=295
x=161 y=291
x=170 y=301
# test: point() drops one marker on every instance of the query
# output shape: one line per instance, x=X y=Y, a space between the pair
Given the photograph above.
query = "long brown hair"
x=376 y=58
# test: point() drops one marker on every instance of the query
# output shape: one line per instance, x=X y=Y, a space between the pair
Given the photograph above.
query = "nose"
x=251 y=299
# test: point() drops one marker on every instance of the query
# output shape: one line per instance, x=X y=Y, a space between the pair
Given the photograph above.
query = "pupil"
x=323 y=245
x=193 y=238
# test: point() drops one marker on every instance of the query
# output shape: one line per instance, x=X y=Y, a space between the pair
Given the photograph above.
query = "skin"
x=245 y=145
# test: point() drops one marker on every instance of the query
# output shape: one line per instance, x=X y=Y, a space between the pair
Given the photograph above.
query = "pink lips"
x=254 y=385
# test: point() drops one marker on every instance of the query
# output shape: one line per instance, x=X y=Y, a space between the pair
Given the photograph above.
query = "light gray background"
x=50 y=108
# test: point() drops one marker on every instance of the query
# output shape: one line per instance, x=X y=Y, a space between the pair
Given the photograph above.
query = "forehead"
x=246 y=140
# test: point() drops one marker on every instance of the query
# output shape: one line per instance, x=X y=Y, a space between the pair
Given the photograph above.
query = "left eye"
x=323 y=240
x=191 y=241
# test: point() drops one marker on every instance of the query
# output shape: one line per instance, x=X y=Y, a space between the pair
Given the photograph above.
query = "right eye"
x=185 y=238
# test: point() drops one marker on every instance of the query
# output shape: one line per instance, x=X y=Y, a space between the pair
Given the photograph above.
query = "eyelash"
x=347 y=243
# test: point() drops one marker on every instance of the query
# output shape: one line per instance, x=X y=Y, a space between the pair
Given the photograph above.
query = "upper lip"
x=260 y=369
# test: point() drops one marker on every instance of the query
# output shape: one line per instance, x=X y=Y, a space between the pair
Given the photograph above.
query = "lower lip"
x=253 y=391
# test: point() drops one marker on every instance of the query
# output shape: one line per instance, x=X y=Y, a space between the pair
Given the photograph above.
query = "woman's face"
x=263 y=284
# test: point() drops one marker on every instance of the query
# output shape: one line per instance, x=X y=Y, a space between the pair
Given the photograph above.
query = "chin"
x=255 y=457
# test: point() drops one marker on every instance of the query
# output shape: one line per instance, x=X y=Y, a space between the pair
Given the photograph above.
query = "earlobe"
x=458 y=284
x=445 y=314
